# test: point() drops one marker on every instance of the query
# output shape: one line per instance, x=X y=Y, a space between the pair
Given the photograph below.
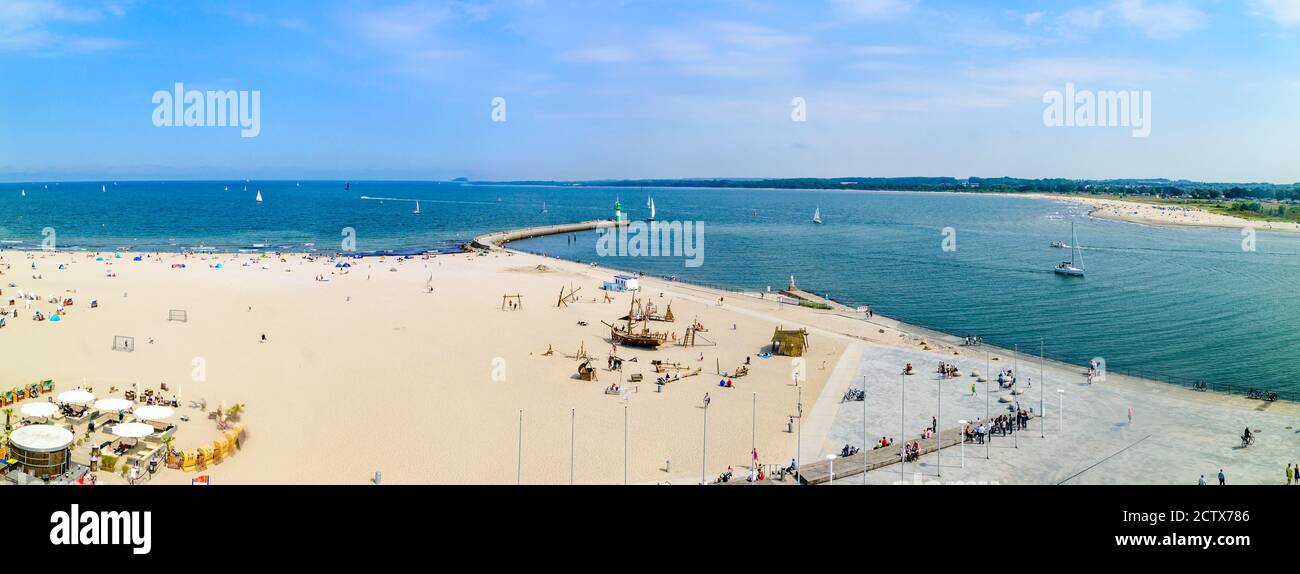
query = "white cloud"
x=25 y=25
x=876 y=9
x=1158 y=20
x=1284 y=12
x=599 y=55
x=1033 y=18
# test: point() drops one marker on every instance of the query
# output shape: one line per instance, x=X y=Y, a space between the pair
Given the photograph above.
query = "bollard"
x=378 y=477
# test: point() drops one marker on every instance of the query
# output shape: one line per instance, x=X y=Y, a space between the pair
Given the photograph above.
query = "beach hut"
x=232 y=440
x=205 y=453
x=189 y=460
x=623 y=283
x=219 y=450
x=789 y=342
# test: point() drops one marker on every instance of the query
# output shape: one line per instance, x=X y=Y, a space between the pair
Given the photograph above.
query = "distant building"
x=623 y=283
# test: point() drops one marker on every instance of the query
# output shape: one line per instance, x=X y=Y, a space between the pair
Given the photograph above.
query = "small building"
x=789 y=342
x=623 y=283
x=42 y=451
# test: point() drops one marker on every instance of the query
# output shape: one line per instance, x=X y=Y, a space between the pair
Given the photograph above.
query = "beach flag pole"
x=902 y=429
x=865 y=450
x=987 y=374
x=1042 y=415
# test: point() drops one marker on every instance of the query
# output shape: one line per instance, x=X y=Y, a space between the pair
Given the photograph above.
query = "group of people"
x=912 y=452
x=972 y=340
x=1001 y=425
x=849 y=450
x=948 y=370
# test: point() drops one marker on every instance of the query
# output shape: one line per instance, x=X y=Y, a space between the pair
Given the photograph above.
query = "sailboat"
x=1076 y=256
x=417 y=208
x=103 y=189
x=652 y=209
x=227 y=188
x=817 y=216
x=259 y=196
x=544 y=210
x=24 y=193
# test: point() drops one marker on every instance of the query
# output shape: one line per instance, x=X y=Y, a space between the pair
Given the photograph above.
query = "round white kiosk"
x=41 y=450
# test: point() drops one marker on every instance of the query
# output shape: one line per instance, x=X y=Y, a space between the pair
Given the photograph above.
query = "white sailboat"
x=103 y=189
x=817 y=216
x=227 y=188
x=544 y=210
x=259 y=196
x=417 y=208
x=24 y=193
x=652 y=209
x=1076 y=257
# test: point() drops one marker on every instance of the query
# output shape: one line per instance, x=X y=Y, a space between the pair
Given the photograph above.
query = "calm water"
x=1162 y=302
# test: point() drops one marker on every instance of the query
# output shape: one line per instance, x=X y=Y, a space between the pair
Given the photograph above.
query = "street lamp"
x=1060 y=410
x=962 y=424
x=938 y=451
x=831 y=458
x=704 y=453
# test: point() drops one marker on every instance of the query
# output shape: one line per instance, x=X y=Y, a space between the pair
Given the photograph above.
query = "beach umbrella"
x=132 y=430
x=113 y=404
x=40 y=409
x=76 y=397
x=153 y=412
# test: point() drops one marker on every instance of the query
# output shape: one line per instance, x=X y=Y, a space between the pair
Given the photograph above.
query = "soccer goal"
x=124 y=343
x=178 y=315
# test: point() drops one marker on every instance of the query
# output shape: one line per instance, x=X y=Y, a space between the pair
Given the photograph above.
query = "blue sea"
x=1166 y=303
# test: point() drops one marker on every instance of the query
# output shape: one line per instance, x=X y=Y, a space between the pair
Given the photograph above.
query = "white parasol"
x=40 y=409
x=75 y=397
x=153 y=412
x=112 y=404
x=132 y=430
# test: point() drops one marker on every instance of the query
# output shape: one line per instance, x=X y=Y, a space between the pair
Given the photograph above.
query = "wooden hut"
x=789 y=342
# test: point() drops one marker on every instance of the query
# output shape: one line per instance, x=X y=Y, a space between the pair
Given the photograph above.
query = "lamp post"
x=1060 y=410
x=1042 y=432
x=831 y=458
x=573 y=418
x=962 y=424
x=704 y=453
x=987 y=375
x=865 y=450
x=938 y=450
x=798 y=440
x=625 y=445
x=902 y=429
x=519 y=464
x=753 y=438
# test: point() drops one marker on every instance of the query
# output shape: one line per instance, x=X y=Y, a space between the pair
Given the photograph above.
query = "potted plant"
x=173 y=459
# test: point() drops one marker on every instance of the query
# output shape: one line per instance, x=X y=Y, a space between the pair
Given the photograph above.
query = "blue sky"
x=359 y=89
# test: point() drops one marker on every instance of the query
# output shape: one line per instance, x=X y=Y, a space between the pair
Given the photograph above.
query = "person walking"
x=1290 y=475
x=1130 y=415
x=1202 y=481
x=1222 y=479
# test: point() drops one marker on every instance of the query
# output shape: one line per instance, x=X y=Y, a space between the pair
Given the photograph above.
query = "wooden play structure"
x=586 y=372
x=519 y=301
x=570 y=297
x=789 y=342
x=636 y=331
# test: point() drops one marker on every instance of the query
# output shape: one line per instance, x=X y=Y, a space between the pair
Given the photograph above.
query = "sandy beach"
x=1163 y=215
x=367 y=370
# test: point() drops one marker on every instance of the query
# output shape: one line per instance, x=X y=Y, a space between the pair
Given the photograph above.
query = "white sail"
x=652 y=209
x=817 y=215
x=417 y=207
x=103 y=189
x=259 y=196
